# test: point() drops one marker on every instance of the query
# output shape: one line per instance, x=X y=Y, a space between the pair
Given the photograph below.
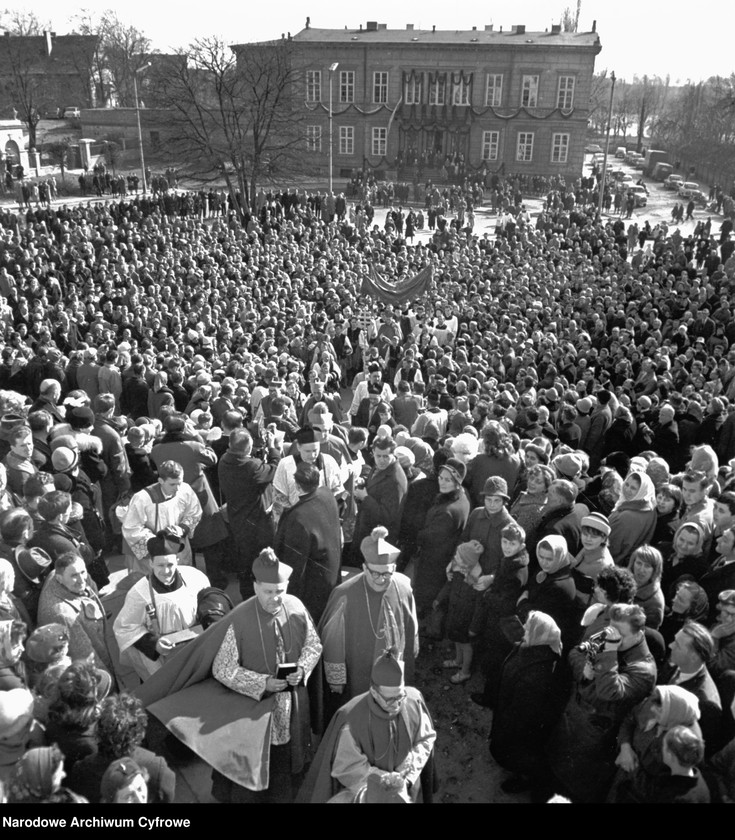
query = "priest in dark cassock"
x=386 y=732
x=236 y=695
x=309 y=540
x=366 y=615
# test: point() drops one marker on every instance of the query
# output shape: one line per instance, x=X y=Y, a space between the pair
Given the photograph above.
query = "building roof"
x=448 y=37
x=68 y=52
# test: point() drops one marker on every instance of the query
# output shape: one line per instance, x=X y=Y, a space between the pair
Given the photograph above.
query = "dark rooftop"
x=486 y=37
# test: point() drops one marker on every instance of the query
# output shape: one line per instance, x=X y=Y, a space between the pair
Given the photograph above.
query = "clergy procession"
x=261 y=512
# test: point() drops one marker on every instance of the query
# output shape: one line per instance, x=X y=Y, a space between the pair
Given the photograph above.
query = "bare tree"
x=20 y=22
x=624 y=108
x=122 y=51
x=126 y=51
x=599 y=100
x=113 y=155
x=236 y=119
x=21 y=84
x=92 y=65
x=648 y=94
x=570 y=19
x=58 y=151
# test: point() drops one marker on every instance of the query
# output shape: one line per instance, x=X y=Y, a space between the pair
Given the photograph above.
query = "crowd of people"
x=535 y=462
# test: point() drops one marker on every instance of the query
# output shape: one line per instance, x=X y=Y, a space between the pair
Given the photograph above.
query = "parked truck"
x=652 y=157
x=661 y=171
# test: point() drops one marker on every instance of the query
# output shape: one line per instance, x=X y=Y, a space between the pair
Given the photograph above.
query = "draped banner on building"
x=407 y=289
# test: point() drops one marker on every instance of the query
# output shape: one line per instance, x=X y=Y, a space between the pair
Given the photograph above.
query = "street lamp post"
x=607 y=147
x=332 y=68
x=140 y=133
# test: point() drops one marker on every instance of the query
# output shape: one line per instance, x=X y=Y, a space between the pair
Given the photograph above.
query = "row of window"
x=439 y=88
x=490 y=143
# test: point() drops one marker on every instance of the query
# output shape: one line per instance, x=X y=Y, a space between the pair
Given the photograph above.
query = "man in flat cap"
x=236 y=695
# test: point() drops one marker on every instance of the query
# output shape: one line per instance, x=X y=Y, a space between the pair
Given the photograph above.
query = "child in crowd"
x=593 y=557
x=460 y=596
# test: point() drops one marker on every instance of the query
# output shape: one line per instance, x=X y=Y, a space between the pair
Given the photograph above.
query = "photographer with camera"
x=613 y=670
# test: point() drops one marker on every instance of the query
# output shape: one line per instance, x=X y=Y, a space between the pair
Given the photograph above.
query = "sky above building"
x=685 y=42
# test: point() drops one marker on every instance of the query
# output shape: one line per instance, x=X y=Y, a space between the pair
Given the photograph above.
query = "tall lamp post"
x=607 y=147
x=140 y=133
x=332 y=68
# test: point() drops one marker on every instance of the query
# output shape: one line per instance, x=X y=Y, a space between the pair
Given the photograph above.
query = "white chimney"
x=49 y=42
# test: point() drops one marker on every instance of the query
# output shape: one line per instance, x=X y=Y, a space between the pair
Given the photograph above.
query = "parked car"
x=640 y=194
x=71 y=112
x=690 y=189
x=621 y=176
x=621 y=152
x=632 y=157
x=673 y=182
x=593 y=149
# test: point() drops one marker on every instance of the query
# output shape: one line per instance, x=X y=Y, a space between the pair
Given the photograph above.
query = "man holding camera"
x=613 y=671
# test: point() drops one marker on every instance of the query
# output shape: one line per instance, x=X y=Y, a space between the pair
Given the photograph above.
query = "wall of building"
x=549 y=63
x=121 y=124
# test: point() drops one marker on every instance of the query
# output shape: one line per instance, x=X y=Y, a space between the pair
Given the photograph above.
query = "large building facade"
x=415 y=100
x=43 y=73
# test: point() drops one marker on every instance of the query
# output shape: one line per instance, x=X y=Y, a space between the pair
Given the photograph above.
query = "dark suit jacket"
x=308 y=540
x=113 y=454
x=243 y=480
x=134 y=399
x=715 y=581
x=57 y=539
x=193 y=456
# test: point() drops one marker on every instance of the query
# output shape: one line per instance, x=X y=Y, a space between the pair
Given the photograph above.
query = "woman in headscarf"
x=18 y=728
x=529 y=703
x=37 y=779
x=160 y=394
x=685 y=556
x=633 y=519
x=407 y=460
x=689 y=602
x=12 y=671
x=527 y=508
x=646 y=564
x=553 y=590
x=705 y=459
x=640 y=740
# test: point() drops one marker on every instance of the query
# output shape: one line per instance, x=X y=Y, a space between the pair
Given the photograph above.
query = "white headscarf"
x=541 y=629
x=646 y=493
